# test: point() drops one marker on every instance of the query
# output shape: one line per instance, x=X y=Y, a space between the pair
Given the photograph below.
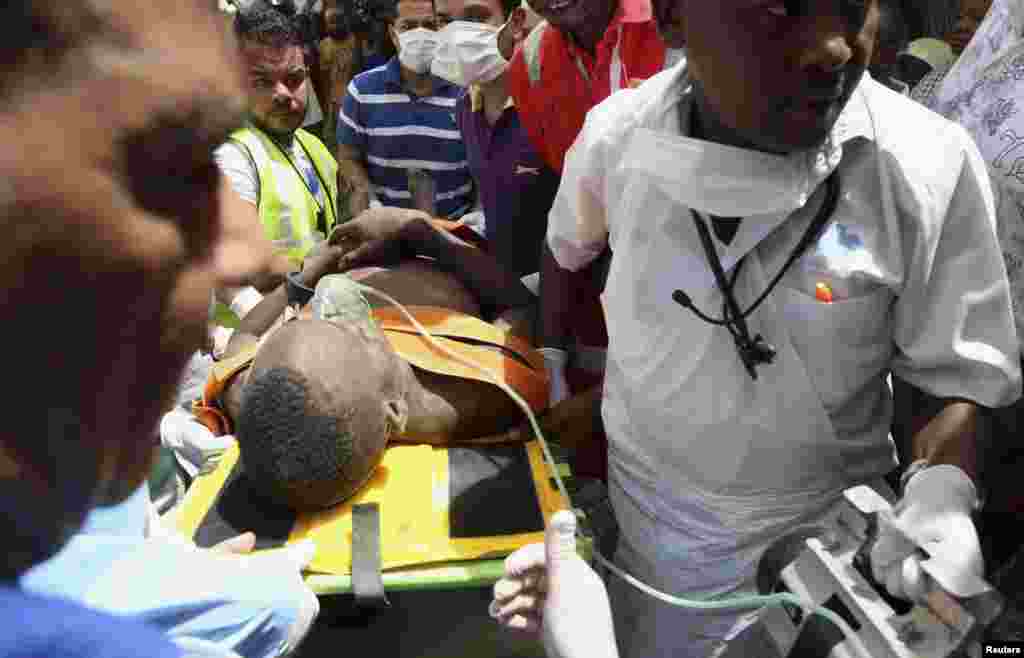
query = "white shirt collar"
x=660 y=112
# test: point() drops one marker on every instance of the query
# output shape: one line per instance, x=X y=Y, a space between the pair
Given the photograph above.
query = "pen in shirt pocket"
x=823 y=292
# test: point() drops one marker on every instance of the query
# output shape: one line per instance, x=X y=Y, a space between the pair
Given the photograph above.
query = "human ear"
x=396 y=413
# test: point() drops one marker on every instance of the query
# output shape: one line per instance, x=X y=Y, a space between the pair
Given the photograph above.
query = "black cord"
x=753 y=350
x=327 y=191
x=323 y=185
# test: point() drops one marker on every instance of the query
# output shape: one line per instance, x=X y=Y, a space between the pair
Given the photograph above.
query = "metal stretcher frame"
x=458 y=575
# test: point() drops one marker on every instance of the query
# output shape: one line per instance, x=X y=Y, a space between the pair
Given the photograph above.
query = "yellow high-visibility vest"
x=287 y=209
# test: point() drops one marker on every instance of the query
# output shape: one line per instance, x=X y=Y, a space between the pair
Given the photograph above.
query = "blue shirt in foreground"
x=41 y=627
x=396 y=132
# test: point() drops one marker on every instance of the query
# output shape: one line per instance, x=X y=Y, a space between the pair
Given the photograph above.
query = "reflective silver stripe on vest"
x=532 y=51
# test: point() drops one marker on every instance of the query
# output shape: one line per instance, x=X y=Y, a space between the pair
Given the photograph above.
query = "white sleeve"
x=237 y=165
x=577 y=223
x=477 y=221
x=953 y=323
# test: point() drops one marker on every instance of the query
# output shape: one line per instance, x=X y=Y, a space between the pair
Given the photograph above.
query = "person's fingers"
x=528 y=557
x=243 y=543
x=528 y=603
x=507 y=589
x=559 y=541
x=523 y=623
x=347 y=232
x=535 y=580
x=360 y=256
x=302 y=553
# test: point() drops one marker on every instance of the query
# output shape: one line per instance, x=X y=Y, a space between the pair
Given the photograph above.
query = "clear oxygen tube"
x=754 y=601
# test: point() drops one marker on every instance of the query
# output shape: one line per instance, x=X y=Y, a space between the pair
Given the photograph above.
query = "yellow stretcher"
x=426 y=542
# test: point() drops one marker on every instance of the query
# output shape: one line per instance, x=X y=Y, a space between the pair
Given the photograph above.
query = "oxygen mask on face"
x=337 y=298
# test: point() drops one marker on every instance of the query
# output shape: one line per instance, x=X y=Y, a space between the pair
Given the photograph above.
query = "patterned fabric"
x=984 y=92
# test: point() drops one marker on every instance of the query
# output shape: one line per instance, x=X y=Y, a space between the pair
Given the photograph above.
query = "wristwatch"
x=297 y=292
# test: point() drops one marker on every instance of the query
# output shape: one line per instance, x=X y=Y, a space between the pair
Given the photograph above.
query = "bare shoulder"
x=418 y=282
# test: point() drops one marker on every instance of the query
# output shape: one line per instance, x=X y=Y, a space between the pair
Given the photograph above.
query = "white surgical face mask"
x=416 y=49
x=468 y=54
x=726 y=181
x=722 y=180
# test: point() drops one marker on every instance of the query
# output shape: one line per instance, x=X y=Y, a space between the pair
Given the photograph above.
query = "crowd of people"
x=739 y=257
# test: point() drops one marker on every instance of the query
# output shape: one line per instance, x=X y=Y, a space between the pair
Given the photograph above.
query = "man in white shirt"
x=725 y=438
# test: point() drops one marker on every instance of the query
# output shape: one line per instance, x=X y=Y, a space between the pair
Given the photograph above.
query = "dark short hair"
x=393 y=16
x=292 y=450
x=269 y=25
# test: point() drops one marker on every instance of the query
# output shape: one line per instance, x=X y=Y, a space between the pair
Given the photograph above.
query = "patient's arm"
x=571 y=423
x=381 y=238
x=321 y=261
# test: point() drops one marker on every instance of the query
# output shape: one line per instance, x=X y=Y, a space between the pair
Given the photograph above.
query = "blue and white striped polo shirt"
x=396 y=131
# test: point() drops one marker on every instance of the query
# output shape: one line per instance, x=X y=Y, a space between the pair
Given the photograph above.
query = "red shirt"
x=554 y=83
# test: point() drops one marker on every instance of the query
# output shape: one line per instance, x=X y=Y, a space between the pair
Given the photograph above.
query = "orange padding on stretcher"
x=490 y=349
x=206 y=410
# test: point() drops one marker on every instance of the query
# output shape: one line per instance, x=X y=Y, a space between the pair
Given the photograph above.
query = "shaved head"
x=321 y=401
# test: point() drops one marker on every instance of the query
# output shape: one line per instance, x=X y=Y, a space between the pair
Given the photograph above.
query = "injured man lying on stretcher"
x=314 y=399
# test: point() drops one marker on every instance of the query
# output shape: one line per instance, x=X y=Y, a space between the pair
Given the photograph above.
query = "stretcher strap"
x=367 y=583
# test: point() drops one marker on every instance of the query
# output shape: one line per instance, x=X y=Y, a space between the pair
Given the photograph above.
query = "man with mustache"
x=786 y=233
x=283 y=178
x=286 y=175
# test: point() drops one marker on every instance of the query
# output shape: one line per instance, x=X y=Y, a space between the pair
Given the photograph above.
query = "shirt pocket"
x=844 y=344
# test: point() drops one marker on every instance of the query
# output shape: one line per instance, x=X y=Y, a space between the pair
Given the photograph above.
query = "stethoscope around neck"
x=753 y=350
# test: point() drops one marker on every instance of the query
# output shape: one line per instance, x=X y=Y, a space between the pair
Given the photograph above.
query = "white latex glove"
x=477 y=221
x=290 y=562
x=195 y=447
x=555 y=361
x=295 y=557
x=935 y=511
x=550 y=588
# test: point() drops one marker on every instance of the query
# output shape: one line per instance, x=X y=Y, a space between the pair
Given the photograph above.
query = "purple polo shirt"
x=516 y=187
